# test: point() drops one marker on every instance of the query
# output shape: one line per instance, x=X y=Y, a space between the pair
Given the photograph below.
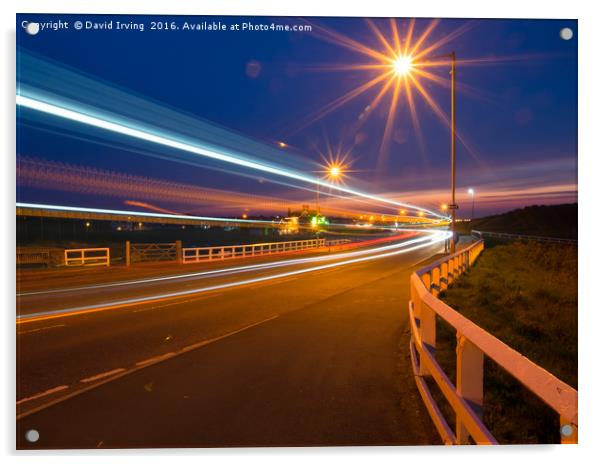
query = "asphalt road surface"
x=295 y=355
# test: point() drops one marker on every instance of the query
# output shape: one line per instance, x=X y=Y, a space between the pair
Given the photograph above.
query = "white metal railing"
x=337 y=242
x=195 y=255
x=88 y=257
x=535 y=238
x=473 y=343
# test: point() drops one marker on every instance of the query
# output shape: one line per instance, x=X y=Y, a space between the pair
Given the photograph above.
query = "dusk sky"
x=516 y=111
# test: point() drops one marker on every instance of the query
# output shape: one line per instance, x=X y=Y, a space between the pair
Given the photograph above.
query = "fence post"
x=469 y=381
x=451 y=271
x=427 y=328
x=436 y=280
x=128 y=260
x=179 y=257
x=443 y=276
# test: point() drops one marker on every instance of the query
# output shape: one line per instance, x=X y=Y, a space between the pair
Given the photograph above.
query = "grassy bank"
x=547 y=221
x=526 y=295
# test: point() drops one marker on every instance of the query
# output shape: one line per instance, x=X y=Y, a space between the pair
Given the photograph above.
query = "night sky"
x=516 y=108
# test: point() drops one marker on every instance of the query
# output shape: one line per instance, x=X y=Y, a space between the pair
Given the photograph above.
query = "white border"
x=590 y=156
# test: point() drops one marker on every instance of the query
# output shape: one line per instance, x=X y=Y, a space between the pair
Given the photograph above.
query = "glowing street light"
x=334 y=171
x=402 y=65
x=472 y=193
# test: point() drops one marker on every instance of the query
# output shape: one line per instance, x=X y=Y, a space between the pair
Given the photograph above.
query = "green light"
x=318 y=220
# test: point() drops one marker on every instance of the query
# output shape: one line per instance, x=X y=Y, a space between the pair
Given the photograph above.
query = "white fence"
x=337 y=242
x=87 y=257
x=196 y=255
x=534 y=238
x=473 y=343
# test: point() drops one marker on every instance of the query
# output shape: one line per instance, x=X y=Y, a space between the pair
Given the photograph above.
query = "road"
x=300 y=354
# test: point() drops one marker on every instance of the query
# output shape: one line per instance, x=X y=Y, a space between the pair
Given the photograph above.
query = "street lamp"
x=402 y=65
x=334 y=172
x=453 y=206
x=472 y=192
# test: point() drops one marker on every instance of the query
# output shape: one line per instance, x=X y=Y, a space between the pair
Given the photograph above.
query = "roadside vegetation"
x=558 y=221
x=525 y=294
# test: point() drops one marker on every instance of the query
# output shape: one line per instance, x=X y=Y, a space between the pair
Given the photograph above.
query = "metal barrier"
x=473 y=343
x=33 y=256
x=195 y=255
x=481 y=234
x=142 y=252
x=337 y=242
x=88 y=257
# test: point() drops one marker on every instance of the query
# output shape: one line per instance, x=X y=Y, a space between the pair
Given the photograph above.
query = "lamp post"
x=453 y=206
x=403 y=65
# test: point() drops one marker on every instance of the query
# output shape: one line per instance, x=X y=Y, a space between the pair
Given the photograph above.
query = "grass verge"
x=525 y=294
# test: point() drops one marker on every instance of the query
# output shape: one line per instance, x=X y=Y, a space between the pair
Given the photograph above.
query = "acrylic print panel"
x=277 y=231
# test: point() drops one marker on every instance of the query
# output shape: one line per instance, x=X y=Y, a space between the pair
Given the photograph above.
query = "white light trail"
x=119 y=212
x=144 y=134
x=241 y=269
x=436 y=238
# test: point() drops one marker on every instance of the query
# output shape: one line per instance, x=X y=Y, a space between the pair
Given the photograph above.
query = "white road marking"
x=44 y=393
x=115 y=374
x=102 y=375
x=155 y=359
x=40 y=329
x=141 y=310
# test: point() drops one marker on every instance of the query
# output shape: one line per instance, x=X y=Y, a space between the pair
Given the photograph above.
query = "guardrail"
x=196 y=255
x=483 y=234
x=88 y=257
x=337 y=242
x=142 y=252
x=473 y=343
x=33 y=256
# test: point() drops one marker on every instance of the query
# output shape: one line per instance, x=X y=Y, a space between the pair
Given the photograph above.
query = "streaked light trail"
x=234 y=270
x=171 y=142
x=435 y=237
x=76 y=209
